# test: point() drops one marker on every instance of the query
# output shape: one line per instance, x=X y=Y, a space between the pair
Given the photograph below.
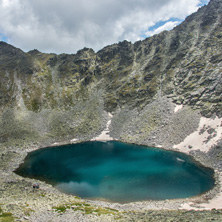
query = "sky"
x=65 y=26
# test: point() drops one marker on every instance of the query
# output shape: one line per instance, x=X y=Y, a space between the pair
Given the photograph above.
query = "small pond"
x=117 y=171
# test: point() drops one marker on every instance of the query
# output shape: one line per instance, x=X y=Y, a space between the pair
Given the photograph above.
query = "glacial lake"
x=118 y=172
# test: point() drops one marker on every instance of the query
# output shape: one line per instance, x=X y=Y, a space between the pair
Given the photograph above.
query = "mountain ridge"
x=182 y=65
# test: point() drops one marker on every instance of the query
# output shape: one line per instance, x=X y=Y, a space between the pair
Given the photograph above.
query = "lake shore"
x=19 y=198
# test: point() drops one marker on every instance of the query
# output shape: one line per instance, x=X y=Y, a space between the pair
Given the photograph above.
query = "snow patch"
x=104 y=135
x=177 y=108
x=208 y=134
x=74 y=140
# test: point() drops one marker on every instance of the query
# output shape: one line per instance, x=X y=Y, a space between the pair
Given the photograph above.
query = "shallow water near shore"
x=118 y=172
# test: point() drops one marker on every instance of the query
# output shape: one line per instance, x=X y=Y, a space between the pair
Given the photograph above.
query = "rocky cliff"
x=49 y=97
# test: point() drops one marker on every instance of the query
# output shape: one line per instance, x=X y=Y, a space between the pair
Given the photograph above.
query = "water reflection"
x=118 y=172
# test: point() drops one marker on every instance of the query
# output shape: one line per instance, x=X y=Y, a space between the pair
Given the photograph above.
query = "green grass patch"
x=28 y=211
x=86 y=209
x=6 y=216
x=62 y=208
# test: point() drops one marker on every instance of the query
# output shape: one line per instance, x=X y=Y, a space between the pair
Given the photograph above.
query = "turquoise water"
x=118 y=171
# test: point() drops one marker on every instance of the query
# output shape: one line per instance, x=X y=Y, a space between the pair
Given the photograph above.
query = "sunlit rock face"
x=46 y=98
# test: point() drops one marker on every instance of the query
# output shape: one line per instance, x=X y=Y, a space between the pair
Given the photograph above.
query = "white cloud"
x=167 y=26
x=69 y=25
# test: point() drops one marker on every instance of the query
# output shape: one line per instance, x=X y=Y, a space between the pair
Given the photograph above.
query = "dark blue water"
x=118 y=171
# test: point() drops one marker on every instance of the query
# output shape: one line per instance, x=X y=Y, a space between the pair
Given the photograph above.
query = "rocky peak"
x=9 y=51
x=12 y=58
x=85 y=53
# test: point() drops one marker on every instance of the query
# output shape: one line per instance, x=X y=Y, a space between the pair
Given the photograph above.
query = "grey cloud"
x=69 y=25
